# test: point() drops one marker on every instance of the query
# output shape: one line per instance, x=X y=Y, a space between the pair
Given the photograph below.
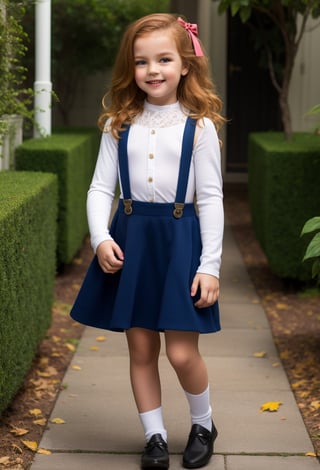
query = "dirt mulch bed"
x=294 y=316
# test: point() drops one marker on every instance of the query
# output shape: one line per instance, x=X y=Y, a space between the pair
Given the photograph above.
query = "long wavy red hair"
x=196 y=91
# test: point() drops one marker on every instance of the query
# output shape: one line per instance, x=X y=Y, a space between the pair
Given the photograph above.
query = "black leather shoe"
x=199 y=447
x=155 y=454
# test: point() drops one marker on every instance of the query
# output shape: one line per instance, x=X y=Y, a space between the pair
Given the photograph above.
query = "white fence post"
x=42 y=84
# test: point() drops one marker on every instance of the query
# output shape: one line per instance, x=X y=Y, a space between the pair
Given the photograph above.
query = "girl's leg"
x=183 y=354
x=144 y=348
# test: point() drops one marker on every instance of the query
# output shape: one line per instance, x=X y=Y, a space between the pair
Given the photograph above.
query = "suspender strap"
x=186 y=154
x=124 y=170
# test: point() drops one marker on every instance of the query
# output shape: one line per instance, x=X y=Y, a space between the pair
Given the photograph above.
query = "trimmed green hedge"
x=72 y=157
x=284 y=192
x=28 y=226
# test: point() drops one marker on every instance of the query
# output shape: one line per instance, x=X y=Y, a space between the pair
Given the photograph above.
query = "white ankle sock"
x=152 y=423
x=200 y=409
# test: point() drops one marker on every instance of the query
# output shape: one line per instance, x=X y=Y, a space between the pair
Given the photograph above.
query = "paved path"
x=102 y=430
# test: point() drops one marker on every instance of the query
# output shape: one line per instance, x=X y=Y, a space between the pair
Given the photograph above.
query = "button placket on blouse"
x=151 y=165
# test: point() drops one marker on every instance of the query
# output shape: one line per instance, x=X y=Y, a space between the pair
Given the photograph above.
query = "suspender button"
x=127 y=206
x=178 y=210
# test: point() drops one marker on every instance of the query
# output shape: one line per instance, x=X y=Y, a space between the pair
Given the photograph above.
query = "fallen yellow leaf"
x=48 y=372
x=35 y=412
x=58 y=421
x=4 y=460
x=271 y=406
x=315 y=405
x=299 y=383
x=94 y=348
x=44 y=452
x=19 y=431
x=285 y=354
x=310 y=454
x=260 y=354
x=75 y=367
x=32 y=445
x=40 y=422
x=55 y=354
x=281 y=306
x=70 y=347
x=44 y=361
x=101 y=338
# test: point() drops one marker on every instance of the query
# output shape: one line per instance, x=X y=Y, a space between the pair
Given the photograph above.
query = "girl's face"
x=158 y=67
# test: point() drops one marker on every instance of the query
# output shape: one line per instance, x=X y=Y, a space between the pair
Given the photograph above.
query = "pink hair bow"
x=192 y=30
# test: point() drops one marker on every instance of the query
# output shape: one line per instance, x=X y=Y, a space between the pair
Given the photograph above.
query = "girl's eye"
x=140 y=62
x=165 y=59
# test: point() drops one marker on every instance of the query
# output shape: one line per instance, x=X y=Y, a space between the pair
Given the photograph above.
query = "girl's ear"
x=184 y=71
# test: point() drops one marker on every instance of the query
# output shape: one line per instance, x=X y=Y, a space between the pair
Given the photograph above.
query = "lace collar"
x=161 y=116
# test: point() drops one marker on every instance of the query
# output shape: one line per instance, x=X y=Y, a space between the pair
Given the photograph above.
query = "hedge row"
x=284 y=192
x=72 y=157
x=28 y=215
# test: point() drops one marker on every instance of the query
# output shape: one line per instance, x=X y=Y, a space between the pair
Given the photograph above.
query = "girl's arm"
x=102 y=190
x=207 y=161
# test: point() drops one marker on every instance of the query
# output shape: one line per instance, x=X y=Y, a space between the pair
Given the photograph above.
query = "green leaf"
x=314 y=110
x=234 y=9
x=245 y=14
x=311 y=225
x=313 y=249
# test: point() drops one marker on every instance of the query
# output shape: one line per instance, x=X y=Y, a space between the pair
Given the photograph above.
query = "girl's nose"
x=153 y=68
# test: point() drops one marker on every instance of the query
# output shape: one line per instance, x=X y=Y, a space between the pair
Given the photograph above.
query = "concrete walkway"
x=102 y=429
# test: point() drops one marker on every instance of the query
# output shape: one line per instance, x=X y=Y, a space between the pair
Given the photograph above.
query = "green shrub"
x=313 y=249
x=72 y=157
x=284 y=192
x=28 y=215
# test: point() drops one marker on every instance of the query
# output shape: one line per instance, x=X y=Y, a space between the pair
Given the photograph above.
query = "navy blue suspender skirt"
x=162 y=248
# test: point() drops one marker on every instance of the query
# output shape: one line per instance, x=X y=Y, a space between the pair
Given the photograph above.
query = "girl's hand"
x=209 y=289
x=110 y=256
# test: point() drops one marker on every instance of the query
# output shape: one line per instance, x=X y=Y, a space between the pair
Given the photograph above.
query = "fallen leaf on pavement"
x=44 y=452
x=101 y=338
x=58 y=421
x=260 y=354
x=271 y=406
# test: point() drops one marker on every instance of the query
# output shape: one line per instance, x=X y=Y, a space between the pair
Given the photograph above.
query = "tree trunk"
x=285 y=113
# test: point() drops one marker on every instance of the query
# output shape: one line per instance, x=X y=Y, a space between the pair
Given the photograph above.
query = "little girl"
x=157 y=269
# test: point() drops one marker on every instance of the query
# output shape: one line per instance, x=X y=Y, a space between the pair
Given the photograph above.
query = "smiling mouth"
x=155 y=82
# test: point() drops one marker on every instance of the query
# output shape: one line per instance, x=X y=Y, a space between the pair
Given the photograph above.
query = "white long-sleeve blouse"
x=154 y=150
